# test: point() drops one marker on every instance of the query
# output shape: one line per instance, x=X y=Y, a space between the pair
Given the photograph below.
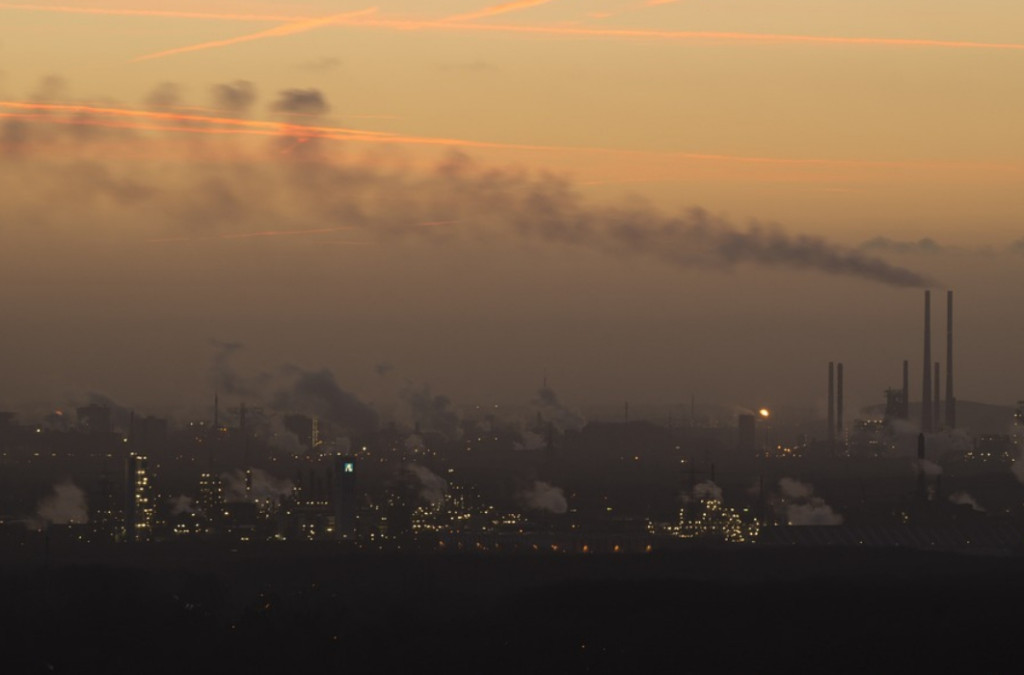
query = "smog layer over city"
x=530 y=336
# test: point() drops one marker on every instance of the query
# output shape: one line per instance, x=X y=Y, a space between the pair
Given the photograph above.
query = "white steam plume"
x=543 y=496
x=65 y=505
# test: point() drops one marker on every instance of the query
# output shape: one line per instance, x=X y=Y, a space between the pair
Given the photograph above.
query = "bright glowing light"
x=764 y=412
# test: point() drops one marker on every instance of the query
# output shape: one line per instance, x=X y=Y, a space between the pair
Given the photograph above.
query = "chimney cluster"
x=932 y=417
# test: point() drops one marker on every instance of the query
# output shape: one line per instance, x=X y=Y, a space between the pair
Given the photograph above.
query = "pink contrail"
x=147 y=120
x=156 y=13
x=281 y=128
x=569 y=31
x=171 y=121
x=289 y=28
x=709 y=36
x=494 y=10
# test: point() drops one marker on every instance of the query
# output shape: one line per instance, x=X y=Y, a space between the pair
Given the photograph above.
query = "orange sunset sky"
x=641 y=200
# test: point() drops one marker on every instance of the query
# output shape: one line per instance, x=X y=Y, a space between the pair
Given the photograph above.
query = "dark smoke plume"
x=165 y=95
x=301 y=101
x=236 y=97
x=317 y=393
x=226 y=378
x=432 y=412
x=925 y=245
x=381 y=202
x=292 y=389
x=552 y=410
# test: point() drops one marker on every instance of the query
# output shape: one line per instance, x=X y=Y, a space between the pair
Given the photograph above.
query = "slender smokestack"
x=922 y=488
x=831 y=403
x=950 y=400
x=906 y=389
x=245 y=436
x=926 y=394
x=839 y=400
x=216 y=411
x=936 y=413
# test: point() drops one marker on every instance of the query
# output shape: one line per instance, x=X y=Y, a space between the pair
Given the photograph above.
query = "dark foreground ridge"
x=161 y=610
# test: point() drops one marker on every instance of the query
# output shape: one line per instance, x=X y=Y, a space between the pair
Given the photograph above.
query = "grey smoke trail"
x=317 y=393
x=432 y=412
x=302 y=101
x=292 y=389
x=432 y=487
x=265 y=486
x=552 y=410
x=226 y=378
x=382 y=203
x=965 y=499
x=235 y=97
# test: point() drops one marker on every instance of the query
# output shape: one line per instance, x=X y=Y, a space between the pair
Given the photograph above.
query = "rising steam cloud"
x=431 y=487
x=705 y=491
x=552 y=410
x=65 y=505
x=264 y=486
x=542 y=496
x=801 y=507
x=382 y=203
x=291 y=389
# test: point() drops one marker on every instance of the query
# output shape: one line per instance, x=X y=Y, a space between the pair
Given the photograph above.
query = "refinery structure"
x=895 y=474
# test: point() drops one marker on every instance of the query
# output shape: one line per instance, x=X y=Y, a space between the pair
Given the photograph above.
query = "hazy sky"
x=637 y=199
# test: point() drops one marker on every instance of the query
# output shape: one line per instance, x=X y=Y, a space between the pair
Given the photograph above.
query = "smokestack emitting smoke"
x=937 y=401
x=926 y=378
x=831 y=403
x=950 y=400
x=839 y=400
x=906 y=389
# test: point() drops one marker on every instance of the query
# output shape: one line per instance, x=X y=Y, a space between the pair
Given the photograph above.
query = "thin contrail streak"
x=570 y=31
x=275 y=127
x=216 y=125
x=293 y=27
x=495 y=10
x=148 y=120
x=156 y=13
x=289 y=28
x=760 y=38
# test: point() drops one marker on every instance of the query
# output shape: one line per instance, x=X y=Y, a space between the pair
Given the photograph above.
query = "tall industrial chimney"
x=906 y=390
x=922 y=488
x=926 y=377
x=839 y=400
x=950 y=400
x=937 y=412
x=831 y=403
